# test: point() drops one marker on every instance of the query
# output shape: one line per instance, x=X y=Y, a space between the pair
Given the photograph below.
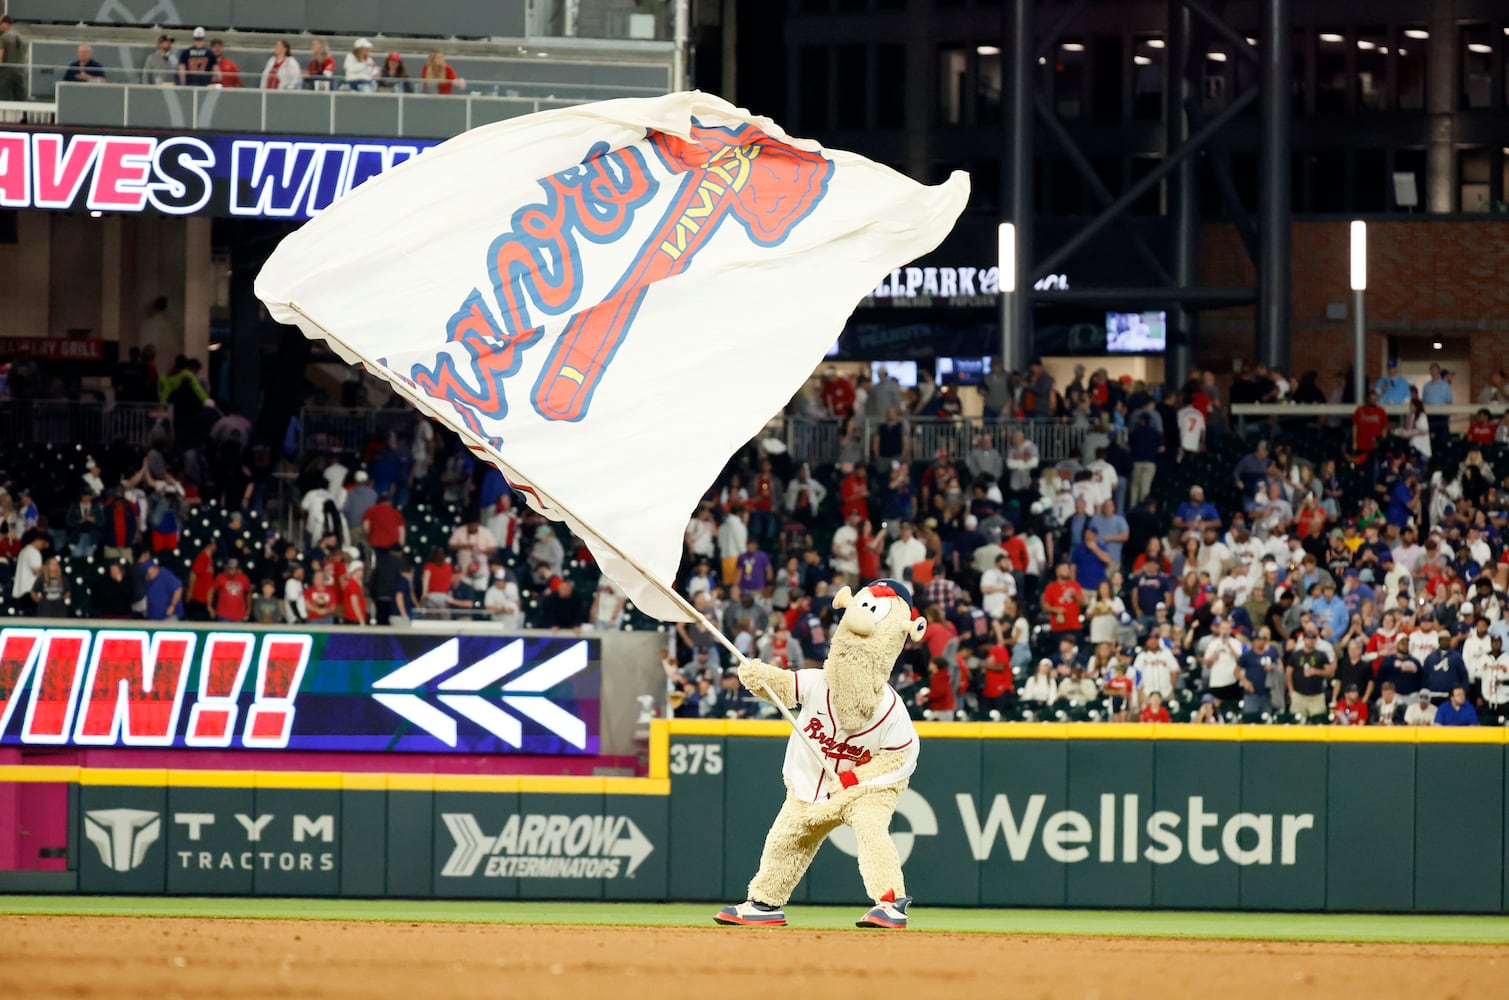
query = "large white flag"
x=607 y=301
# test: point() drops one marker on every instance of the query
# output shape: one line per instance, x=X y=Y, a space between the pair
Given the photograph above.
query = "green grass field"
x=1248 y=926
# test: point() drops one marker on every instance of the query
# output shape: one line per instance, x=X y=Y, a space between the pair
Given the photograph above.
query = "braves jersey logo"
x=538 y=265
x=834 y=748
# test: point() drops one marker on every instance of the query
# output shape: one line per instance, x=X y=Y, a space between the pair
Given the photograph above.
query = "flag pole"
x=423 y=405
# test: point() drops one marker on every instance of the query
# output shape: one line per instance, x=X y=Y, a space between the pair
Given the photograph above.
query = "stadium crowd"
x=1172 y=570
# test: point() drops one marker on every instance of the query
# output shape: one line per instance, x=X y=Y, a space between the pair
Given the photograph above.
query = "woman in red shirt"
x=321 y=69
x=435 y=581
x=940 y=632
x=321 y=599
x=439 y=78
x=939 y=698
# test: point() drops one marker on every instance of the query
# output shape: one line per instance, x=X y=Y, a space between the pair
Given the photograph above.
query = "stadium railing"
x=821 y=441
x=52 y=421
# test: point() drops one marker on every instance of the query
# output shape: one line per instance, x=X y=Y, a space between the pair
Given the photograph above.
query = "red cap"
x=395 y=57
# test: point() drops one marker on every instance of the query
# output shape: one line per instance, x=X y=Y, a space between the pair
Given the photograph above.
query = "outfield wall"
x=1087 y=815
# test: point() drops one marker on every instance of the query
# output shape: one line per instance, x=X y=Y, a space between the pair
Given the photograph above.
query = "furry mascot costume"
x=851 y=714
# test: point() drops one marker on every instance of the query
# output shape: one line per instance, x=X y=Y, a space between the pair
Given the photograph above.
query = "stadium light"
x=1006 y=256
x=1359 y=255
x=1359 y=282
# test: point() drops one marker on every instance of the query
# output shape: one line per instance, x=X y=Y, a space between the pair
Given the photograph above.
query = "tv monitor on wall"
x=1136 y=333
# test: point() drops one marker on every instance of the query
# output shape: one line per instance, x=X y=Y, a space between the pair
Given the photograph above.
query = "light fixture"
x=1142 y=60
x=1216 y=56
x=1481 y=48
x=1435 y=345
x=1073 y=46
x=988 y=50
x=1383 y=50
x=1359 y=255
x=1416 y=33
x=1251 y=40
x=1331 y=38
x=1042 y=60
x=1363 y=43
x=1155 y=43
x=1006 y=256
x=96 y=215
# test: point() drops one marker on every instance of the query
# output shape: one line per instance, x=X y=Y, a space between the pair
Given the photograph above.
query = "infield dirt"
x=158 y=959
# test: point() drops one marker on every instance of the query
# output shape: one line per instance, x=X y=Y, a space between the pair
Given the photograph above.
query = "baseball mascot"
x=852 y=715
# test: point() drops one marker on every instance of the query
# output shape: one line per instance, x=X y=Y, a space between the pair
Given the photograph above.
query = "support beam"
x=1047 y=43
x=1200 y=297
x=1097 y=187
x=1146 y=184
x=1020 y=67
x=1274 y=194
x=1183 y=192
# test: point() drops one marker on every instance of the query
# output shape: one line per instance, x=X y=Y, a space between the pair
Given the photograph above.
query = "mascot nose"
x=859 y=619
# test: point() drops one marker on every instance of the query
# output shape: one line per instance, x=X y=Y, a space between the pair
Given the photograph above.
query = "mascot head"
x=876 y=625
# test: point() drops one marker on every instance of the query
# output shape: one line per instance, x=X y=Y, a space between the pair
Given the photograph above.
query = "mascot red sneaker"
x=849 y=712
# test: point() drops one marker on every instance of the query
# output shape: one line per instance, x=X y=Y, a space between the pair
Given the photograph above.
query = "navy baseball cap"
x=890 y=588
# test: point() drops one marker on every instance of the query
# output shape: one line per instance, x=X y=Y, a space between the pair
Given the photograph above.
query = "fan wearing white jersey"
x=861 y=732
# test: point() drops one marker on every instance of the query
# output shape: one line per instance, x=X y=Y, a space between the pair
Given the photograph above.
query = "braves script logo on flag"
x=538 y=263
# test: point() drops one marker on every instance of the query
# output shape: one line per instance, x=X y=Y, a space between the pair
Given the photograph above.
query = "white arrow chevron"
x=570 y=661
x=489 y=716
x=488 y=669
x=422 y=714
x=522 y=693
x=423 y=668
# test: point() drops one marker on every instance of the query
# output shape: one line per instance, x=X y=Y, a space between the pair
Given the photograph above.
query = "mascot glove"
x=848 y=779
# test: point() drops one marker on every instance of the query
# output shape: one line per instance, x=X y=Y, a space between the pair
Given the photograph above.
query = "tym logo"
x=535 y=846
x=539 y=265
x=122 y=836
x=1068 y=836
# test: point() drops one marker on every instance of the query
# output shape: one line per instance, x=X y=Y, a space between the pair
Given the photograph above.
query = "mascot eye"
x=879 y=608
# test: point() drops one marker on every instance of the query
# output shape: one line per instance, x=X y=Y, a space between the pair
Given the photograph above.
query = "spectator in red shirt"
x=1016 y=547
x=230 y=598
x=937 y=699
x=1369 y=423
x=1351 y=710
x=353 y=597
x=854 y=494
x=940 y=632
x=1154 y=710
x=1119 y=688
x=838 y=394
x=1482 y=428
x=385 y=526
x=998 y=686
x=435 y=581
x=437 y=77
x=230 y=73
x=201 y=583
x=321 y=599
x=1064 y=600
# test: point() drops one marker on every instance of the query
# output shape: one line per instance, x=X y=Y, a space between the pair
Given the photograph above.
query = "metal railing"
x=822 y=441
x=62 y=422
x=339 y=428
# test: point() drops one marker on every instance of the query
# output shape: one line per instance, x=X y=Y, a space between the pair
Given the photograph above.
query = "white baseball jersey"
x=889 y=729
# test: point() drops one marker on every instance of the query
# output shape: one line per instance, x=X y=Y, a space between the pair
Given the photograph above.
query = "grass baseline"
x=1328 y=927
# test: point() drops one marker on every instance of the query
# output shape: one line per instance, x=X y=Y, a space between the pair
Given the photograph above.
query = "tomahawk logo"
x=555 y=846
x=524 y=694
x=914 y=809
x=122 y=836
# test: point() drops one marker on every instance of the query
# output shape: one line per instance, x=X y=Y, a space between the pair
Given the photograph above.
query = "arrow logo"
x=549 y=837
x=402 y=692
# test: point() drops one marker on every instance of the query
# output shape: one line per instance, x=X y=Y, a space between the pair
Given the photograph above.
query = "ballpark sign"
x=364 y=691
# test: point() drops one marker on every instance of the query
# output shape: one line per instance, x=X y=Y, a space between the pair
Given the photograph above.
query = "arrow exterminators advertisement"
x=318 y=690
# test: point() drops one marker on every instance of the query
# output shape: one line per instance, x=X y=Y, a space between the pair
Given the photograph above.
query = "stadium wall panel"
x=1253 y=818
